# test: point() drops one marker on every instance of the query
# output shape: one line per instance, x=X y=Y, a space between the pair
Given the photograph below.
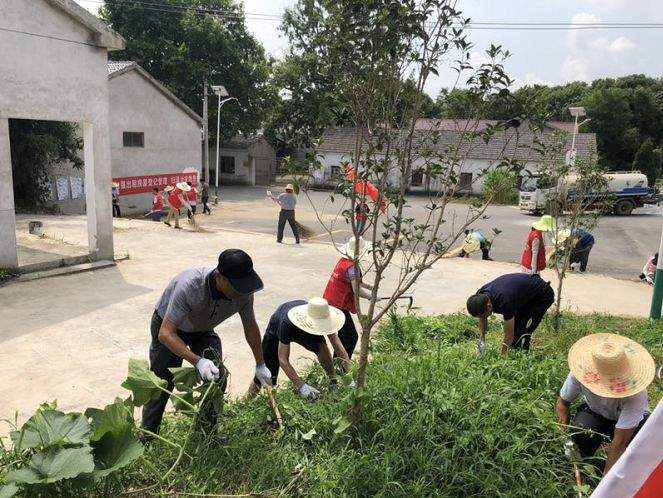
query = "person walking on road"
x=176 y=200
x=115 y=196
x=534 y=255
x=204 y=197
x=287 y=200
x=305 y=324
x=521 y=299
x=344 y=283
x=194 y=303
x=192 y=198
x=611 y=372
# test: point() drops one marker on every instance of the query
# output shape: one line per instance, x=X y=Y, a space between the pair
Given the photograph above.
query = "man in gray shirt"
x=287 y=200
x=196 y=301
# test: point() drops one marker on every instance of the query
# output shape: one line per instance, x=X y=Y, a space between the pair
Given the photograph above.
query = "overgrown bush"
x=501 y=186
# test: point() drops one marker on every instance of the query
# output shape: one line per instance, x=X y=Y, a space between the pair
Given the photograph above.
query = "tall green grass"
x=437 y=421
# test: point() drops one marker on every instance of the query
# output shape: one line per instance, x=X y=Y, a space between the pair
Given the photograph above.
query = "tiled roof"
x=519 y=143
x=115 y=66
x=241 y=142
x=481 y=124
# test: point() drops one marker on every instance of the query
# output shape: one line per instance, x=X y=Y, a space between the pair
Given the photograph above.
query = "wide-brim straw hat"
x=561 y=236
x=545 y=224
x=348 y=249
x=168 y=188
x=611 y=365
x=115 y=184
x=470 y=245
x=317 y=317
x=289 y=187
x=184 y=187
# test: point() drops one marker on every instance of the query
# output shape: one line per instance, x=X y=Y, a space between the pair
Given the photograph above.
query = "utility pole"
x=205 y=137
x=657 y=295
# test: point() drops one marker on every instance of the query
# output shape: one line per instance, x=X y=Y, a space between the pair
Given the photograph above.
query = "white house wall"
x=171 y=136
x=244 y=167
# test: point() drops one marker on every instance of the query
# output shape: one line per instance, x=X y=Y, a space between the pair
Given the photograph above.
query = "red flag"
x=364 y=187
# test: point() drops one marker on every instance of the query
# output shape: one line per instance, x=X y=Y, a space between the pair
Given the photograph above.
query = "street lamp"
x=221 y=92
x=576 y=112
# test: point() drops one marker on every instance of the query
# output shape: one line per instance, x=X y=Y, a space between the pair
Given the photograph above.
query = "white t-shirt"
x=627 y=412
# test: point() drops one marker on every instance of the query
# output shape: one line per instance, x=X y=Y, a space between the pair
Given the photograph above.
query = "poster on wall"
x=130 y=185
x=76 y=187
x=62 y=187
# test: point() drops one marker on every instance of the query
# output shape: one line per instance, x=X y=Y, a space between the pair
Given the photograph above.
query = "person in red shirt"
x=176 y=200
x=192 y=197
x=344 y=282
x=157 y=205
x=534 y=255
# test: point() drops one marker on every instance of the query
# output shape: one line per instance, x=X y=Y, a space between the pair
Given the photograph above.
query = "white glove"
x=309 y=392
x=269 y=193
x=207 y=369
x=570 y=450
x=263 y=374
x=481 y=348
x=352 y=385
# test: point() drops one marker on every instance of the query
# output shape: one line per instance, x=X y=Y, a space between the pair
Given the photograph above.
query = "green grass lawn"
x=438 y=421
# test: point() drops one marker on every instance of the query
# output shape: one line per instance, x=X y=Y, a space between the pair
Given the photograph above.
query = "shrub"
x=502 y=186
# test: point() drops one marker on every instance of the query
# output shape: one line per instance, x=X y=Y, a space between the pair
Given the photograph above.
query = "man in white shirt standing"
x=287 y=200
x=612 y=373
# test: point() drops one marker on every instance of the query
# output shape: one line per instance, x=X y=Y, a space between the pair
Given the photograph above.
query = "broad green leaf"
x=116 y=449
x=52 y=427
x=188 y=397
x=54 y=464
x=142 y=382
x=185 y=375
x=113 y=417
x=8 y=490
x=341 y=426
x=309 y=435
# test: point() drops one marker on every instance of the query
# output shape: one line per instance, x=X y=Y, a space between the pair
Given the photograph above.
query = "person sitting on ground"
x=534 y=255
x=649 y=270
x=346 y=282
x=521 y=299
x=612 y=373
x=306 y=324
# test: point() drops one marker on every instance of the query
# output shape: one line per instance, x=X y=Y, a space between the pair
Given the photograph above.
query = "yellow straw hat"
x=470 y=245
x=317 y=317
x=184 y=187
x=611 y=365
x=545 y=224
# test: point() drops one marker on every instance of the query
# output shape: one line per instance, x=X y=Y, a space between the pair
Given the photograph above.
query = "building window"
x=417 y=178
x=133 y=139
x=465 y=181
x=227 y=165
x=335 y=172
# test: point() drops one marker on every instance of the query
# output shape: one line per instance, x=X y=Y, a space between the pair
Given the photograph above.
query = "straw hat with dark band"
x=611 y=365
x=317 y=317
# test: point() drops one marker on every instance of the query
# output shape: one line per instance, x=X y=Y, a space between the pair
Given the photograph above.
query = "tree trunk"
x=365 y=340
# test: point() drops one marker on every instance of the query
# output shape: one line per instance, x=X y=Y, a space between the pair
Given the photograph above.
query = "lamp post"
x=657 y=294
x=221 y=92
x=576 y=112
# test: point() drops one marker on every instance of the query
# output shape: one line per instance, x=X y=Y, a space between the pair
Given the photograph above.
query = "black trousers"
x=206 y=208
x=162 y=358
x=602 y=430
x=192 y=211
x=348 y=334
x=289 y=216
x=485 y=252
x=581 y=256
x=116 y=211
x=527 y=321
x=270 y=352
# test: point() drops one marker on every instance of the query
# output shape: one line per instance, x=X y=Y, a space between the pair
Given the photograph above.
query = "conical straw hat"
x=611 y=365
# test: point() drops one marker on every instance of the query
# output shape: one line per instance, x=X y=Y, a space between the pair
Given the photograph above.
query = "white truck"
x=625 y=190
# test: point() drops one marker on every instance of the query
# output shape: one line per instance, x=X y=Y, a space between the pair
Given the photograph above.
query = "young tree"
x=371 y=50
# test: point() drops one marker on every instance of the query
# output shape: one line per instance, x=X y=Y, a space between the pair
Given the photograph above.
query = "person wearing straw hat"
x=115 y=196
x=192 y=305
x=521 y=299
x=612 y=373
x=533 y=260
x=287 y=200
x=345 y=282
x=475 y=240
x=176 y=200
x=580 y=245
x=306 y=324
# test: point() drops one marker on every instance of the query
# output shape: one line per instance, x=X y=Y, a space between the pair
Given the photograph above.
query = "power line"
x=40 y=35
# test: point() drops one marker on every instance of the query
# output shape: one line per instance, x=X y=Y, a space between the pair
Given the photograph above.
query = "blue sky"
x=550 y=57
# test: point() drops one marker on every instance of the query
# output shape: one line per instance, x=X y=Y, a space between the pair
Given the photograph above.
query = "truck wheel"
x=624 y=207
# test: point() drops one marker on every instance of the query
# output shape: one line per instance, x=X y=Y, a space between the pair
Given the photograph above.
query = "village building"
x=53 y=67
x=244 y=161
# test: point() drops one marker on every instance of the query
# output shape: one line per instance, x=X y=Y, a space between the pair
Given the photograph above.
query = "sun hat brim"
x=639 y=373
x=561 y=237
x=302 y=320
x=348 y=249
x=184 y=187
x=470 y=245
x=168 y=188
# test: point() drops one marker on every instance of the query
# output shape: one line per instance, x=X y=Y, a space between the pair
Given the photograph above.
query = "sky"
x=547 y=57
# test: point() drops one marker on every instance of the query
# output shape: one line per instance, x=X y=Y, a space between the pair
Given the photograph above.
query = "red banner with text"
x=130 y=185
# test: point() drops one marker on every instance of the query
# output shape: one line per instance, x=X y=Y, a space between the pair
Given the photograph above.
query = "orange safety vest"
x=526 y=260
x=339 y=292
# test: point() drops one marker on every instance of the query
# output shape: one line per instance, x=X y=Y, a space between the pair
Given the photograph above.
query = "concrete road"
x=623 y=244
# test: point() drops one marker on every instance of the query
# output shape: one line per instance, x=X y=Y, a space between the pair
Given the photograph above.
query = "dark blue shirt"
x=585 y=239
x=513 y=292
x=285 y=331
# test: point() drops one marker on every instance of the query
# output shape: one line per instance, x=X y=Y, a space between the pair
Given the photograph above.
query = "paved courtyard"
x=69 y=338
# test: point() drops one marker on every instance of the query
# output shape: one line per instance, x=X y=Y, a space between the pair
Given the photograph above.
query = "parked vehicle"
x=625 y=191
